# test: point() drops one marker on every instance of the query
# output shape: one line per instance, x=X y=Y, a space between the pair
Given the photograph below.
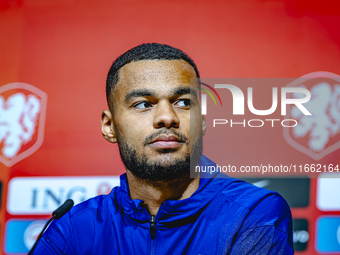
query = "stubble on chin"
x=158 y=173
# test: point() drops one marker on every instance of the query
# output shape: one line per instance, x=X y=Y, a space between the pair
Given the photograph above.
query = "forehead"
x=157 y=74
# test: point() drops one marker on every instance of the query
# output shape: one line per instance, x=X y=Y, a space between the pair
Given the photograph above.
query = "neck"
x=154 y=193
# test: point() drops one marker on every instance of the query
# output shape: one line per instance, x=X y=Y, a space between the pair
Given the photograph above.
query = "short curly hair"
x=146 y=51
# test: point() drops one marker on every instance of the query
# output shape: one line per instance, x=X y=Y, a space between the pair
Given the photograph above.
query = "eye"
x=183 y=103
x=142 y=105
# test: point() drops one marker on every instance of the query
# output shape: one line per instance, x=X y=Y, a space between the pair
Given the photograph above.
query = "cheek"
x=132 y=129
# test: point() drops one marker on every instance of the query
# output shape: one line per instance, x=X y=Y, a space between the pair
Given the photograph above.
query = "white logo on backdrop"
x=42 y=195
x=32 y=232
x=19 y=116
x=262 y=183
x=328 y=184
x=301 y=236
x=324 y=124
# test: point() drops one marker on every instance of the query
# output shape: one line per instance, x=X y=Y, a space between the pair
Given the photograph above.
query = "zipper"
x=152 y=233
x=153 y=227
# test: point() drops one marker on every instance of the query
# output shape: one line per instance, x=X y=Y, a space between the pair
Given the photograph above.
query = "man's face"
x=151 y=121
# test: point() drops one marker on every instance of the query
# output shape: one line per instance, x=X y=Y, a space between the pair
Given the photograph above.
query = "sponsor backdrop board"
x=54 y=57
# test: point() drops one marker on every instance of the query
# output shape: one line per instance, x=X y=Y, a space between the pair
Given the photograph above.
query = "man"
x=154 y=116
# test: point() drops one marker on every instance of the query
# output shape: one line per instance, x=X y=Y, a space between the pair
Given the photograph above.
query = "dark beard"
x=139 y=166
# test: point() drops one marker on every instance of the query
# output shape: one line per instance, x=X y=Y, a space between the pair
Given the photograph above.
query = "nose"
x=165 y=116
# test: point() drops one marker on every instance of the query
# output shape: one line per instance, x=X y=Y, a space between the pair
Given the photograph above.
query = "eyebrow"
x=139 y=93
x=182 y=90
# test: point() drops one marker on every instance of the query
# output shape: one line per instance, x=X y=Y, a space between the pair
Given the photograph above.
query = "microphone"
x=64 y=208
x=57 y=214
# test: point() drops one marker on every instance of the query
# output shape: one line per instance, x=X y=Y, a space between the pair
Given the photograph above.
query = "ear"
x=107 y=127
x=204 y=125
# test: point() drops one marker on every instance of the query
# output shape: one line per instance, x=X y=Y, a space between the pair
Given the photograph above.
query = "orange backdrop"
x=65 y=48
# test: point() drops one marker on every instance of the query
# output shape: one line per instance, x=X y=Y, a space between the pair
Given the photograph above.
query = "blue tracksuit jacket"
x=224 y=216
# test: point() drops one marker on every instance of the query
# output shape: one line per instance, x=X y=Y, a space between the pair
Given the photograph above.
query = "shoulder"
x=258 y=202
x=256 y=206
x=91 y=206
x=260 y=214
x=78 y=226
x=249 y=195
x=93 y=211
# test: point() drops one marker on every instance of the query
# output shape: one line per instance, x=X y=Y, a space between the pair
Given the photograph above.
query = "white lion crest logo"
x=19 y=116
x=324 y=123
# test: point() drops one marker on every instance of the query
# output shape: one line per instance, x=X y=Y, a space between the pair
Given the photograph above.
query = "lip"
x=166 y=142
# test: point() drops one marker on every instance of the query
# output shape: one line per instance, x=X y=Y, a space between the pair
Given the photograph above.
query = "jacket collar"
x=172 y=210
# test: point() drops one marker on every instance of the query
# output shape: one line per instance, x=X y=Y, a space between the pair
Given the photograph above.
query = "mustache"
x=151 y=137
